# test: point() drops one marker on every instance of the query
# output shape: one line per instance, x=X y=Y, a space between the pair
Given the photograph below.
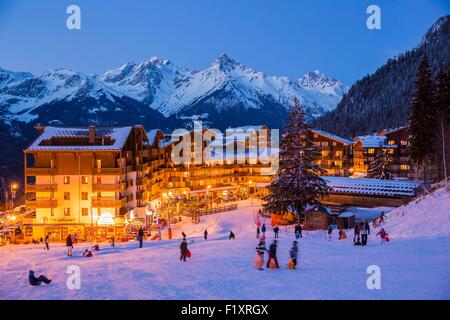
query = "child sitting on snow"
x=87 y=253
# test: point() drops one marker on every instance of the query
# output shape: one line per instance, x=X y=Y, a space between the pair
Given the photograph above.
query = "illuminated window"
x=405 y=167
x=339 y=153
x=99 y=163
x=325 y=144
x=391 y=151
x=66 y=195
x=67 y=212
x=325 y=153
x=371 y=150
x=84 y=212
x=334 y=144
x=84 y=196
x=391 y=142
x=404 y=142
x=316 y=135
x=66 y=180
x=84 y=180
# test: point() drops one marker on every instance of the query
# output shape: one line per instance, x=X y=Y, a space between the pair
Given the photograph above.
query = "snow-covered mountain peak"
x=317 y=80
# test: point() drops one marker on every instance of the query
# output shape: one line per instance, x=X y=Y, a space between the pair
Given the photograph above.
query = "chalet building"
x=401 y=163
x=85 y=181
x=336 y=153
x=365 y=149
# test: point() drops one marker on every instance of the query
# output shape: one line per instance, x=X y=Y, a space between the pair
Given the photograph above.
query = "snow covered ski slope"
x=411 y=268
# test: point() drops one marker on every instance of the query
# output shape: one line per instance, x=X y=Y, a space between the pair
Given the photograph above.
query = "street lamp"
x=14 y=187
x=13 y=218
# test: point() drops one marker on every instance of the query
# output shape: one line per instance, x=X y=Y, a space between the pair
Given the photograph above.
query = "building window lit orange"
x=66 y=180
x=84 y=180
x=371 y=151
x=84 y=212
x=66 y=195
x=66 y=212
x=84 y=196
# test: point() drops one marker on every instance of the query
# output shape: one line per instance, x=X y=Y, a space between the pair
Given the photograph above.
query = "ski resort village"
x=155 y=181
x=250 y=213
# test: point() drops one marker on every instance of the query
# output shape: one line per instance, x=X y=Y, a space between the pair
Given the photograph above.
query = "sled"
x=188 y=253
x=290 y=265
x=258 y=262
x=386 y=238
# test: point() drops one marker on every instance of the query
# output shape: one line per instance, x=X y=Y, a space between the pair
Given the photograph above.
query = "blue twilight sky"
x=279 y=37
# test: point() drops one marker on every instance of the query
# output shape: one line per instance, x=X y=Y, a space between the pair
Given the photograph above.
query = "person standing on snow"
x=183 y=250
x=298 y=231
x=260 y=249
x=293 y=253
x=330 y=233
x=140 y=236
x=231 y=236
x=46 y=242
x=367 y=226
x=69 y=245
x=205 y=234
x=258 y=231
x=273 y=255
x=113 y=242
x=363 y=232
x=356 y=239
x=263 y=229
x=276 y=230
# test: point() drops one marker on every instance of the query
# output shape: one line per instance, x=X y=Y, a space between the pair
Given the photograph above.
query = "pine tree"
x=441 y=104
x=379 y=167
x=297 y=183
x=422 y=118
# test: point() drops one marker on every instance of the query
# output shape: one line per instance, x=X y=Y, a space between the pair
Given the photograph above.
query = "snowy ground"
x=222 y=269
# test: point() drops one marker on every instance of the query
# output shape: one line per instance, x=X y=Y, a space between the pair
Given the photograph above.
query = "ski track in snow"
x=222 y=269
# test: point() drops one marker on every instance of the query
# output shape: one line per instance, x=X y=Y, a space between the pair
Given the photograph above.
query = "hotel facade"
x=100 y=182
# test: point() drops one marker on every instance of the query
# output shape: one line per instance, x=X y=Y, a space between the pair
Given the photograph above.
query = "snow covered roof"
x=368 y=186
x=152 y=135
x=346 y=214
x=117 y=135
x=332 y=136
x=372 y=141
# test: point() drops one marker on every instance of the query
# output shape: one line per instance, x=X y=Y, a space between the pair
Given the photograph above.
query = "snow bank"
x=426 y=217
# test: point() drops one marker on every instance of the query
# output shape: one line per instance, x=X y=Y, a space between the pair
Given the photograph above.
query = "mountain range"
x=158 y=93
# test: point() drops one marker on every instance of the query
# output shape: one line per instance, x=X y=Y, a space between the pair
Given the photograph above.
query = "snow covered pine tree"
x=379 y=167
x=297 y=183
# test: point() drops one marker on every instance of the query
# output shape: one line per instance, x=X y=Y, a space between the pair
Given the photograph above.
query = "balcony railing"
x=41 y=203
x=40 y=187
x=105 y=187
x=108 y=203
x=107 y=171
x=40 y=171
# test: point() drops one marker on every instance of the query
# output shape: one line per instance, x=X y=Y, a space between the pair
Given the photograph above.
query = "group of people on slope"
x=272 y=261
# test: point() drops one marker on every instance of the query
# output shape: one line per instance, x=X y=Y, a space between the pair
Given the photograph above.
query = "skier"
x=330 y=233
x=276 y=230
x=258 y=231
x=364 y=232
x=183 y=250
x=260 y=255
x=356 y=239
x=69 y=245
x=263 y=229
x=293 y=254
x=205 y=234
x=37 y=281
x=140 y=236
x=231 y=235
x=383 y=235
x=273 y=254
x=46 y=242
x=298 y=231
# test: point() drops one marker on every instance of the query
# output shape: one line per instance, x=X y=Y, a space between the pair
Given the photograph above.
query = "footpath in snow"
x=412 y=267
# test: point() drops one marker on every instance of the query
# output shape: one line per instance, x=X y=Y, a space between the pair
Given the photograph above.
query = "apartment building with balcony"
x=336 y=153
x=85 y=181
